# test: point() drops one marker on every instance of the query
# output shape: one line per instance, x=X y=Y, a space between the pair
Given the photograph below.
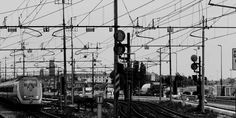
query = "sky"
x=146 y=13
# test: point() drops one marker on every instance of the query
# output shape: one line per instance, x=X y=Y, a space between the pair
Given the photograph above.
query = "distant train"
x=23 y=90
x=149 y=89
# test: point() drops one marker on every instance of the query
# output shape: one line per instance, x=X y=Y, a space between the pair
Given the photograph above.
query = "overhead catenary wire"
x=18 y=8
x=107 y=41
x=53 y=12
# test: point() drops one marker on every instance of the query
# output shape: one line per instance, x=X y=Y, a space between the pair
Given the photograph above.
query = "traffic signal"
x=194 y=65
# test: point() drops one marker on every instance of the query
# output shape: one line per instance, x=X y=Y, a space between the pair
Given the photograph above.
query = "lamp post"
x=221 y=70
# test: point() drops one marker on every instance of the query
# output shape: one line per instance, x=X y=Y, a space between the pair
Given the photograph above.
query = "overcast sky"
x=174 y=13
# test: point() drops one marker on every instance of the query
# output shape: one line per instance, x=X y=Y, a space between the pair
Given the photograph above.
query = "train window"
x=9 y=89
x=6 y=89
x=2 y=89
x=30 y=82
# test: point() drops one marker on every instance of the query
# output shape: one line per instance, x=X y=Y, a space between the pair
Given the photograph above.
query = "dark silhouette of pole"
x=203 y=67
x=64 y=49
x=169 y=30
x=72 y=66
x=221 y=81
x=160 y=78
x=115 y=58
x=5 y=68
x=92 y=74
x=0 y=70
x=129 y=80
x=14 y=64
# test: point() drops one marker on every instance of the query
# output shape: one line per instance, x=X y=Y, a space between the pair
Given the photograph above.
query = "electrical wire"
x=128 y=13
x=53 y=12
x=18 y=9
x=90 y=12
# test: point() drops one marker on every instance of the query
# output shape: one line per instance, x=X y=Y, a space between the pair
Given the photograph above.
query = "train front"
x=30 y=91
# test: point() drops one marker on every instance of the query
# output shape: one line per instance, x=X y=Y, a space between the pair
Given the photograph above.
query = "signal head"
x=194 y=58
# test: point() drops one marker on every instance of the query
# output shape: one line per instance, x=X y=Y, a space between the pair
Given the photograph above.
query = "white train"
x=24 y=90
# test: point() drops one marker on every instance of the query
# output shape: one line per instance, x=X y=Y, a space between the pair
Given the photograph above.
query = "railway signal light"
x=119 y=36
x=194 y=65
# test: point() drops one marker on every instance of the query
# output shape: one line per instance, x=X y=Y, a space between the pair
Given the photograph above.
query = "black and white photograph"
x=118 y=59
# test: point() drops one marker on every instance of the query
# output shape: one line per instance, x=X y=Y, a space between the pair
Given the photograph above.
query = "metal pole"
x=23 y=53
x=221 y=81
x=129 y=67
x=92 y=74
x=0 y=70
x=115 y=57
x=160 y=78
x=200 y=74
x=203 y=66
x=14 y=64
x=169 y=30
x=72 y=66
x=64 y=49
x=5 y=69
x=23 y=63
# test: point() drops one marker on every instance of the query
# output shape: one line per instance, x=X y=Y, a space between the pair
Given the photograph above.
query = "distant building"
x=80 y=80
x=98 y=78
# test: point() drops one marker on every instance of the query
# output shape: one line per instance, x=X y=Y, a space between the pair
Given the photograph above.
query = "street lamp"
x=221 y=69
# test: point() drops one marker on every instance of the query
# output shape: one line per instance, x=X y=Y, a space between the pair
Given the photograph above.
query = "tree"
x=137 y=74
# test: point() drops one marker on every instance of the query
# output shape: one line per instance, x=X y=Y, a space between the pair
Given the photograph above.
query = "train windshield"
x=30 y=82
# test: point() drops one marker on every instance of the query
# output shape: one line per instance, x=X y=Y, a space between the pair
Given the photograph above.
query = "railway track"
x=221 y=101
x=140 y=109
x=26 y=112
x=227 y=109
x=41 y=114
x=159 y=111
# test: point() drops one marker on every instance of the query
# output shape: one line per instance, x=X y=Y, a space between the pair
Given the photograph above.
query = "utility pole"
x=64 y=49
x=169 y=30
x=160 y=78
x=72 y=66
x=203 y=67
x=92 y=75
x=221 y=81
x=129 y=81
x=115 y=59
x=0 y=70
x=5 y=68
x=23 y=49
x=14 y=64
